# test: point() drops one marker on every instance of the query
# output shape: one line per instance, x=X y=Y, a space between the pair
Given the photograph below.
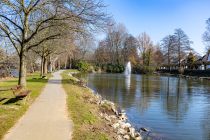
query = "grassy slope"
x=10 y=109
x=85 y=115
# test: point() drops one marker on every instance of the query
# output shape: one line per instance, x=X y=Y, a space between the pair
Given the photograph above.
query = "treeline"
x=119 y=47
x=49 y=32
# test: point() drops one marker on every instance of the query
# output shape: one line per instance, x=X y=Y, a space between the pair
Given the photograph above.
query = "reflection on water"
x=174 y=108
x=127 y=82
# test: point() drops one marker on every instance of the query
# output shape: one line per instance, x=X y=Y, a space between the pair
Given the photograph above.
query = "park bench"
x=19 y=92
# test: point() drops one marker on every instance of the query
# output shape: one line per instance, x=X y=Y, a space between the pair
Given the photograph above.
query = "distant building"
x=208 y=59
x=205 y=58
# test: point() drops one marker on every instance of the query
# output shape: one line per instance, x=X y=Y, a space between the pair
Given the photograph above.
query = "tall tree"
x=158 y=56
x=145 y=46
x=115 y=38
x=129 y=51
x=182 y=44
x=168 y=44
x=206 y=35
x=24 y=23
x=102 y=53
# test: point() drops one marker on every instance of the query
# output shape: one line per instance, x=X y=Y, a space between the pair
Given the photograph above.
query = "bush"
x=114 y=68
x=82 y=66
x=139 y=69
x=109 y=68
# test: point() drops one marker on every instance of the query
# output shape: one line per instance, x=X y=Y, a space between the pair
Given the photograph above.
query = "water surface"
x=172 y=108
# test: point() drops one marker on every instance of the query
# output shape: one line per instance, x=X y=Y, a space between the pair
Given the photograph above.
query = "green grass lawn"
x=85 y=115
x=10 y=108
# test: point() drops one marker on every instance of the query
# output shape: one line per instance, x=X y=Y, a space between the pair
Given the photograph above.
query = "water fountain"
x=128 y=69
x=128 y=75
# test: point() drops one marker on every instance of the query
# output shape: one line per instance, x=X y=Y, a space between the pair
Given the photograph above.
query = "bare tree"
x=83 y=45
x=167 y=45
x=115 y=39
x=206 y=36
x=24 y=22
x=44 y=51
x=182 y=44
x=102 y=54
x=129 y=51
x=145 y=46
x=158 y=56
x=32 y=61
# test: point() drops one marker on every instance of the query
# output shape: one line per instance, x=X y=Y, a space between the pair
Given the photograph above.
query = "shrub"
x=109 y=68
x=115 y=68
x=82 y=66
x=143 y=69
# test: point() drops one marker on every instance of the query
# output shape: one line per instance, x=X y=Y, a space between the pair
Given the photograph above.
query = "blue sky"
x=160 y=17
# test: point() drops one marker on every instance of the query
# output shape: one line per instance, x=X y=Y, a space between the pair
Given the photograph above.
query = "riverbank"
x=202 y=74
x=10 y=108
x=93 y=117
x=185 y=76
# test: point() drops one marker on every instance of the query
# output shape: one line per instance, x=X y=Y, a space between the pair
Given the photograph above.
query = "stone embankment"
x=113 y=116
x=117 y=119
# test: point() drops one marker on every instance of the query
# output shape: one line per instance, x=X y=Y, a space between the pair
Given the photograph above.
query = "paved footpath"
x=47 y=117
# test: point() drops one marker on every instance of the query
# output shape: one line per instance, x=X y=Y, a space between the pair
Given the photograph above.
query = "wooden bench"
x=20 y=93
x=23 y=94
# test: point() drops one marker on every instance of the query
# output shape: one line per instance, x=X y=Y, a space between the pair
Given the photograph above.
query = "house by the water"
x=205 y=59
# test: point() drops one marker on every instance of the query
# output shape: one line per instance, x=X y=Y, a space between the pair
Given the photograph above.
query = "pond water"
x=171 y=108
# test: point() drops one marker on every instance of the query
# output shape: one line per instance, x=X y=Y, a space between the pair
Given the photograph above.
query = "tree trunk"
x=59 y=64
x=45 y=66
x=66 y=63
x=22 y=70
x=53 y=65
x=50 y=68
x=22 y=56
x=42 y=66
x=143 y=58
x=70 y=62
x=169 y=68
x=179 y=59
x=32 y=68
x=179 y=53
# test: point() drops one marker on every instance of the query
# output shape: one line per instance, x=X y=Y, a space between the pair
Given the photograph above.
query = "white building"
x=205 y=58
x=208 y=59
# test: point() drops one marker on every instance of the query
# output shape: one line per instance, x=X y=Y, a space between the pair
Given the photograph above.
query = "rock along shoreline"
x=113 y=115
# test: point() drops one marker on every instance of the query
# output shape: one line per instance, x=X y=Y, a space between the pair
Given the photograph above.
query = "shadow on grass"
x=11 y=101
x=2 y=99
x=51 y=81
x=37 y=80
x=28 y=80
x=68 y=81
